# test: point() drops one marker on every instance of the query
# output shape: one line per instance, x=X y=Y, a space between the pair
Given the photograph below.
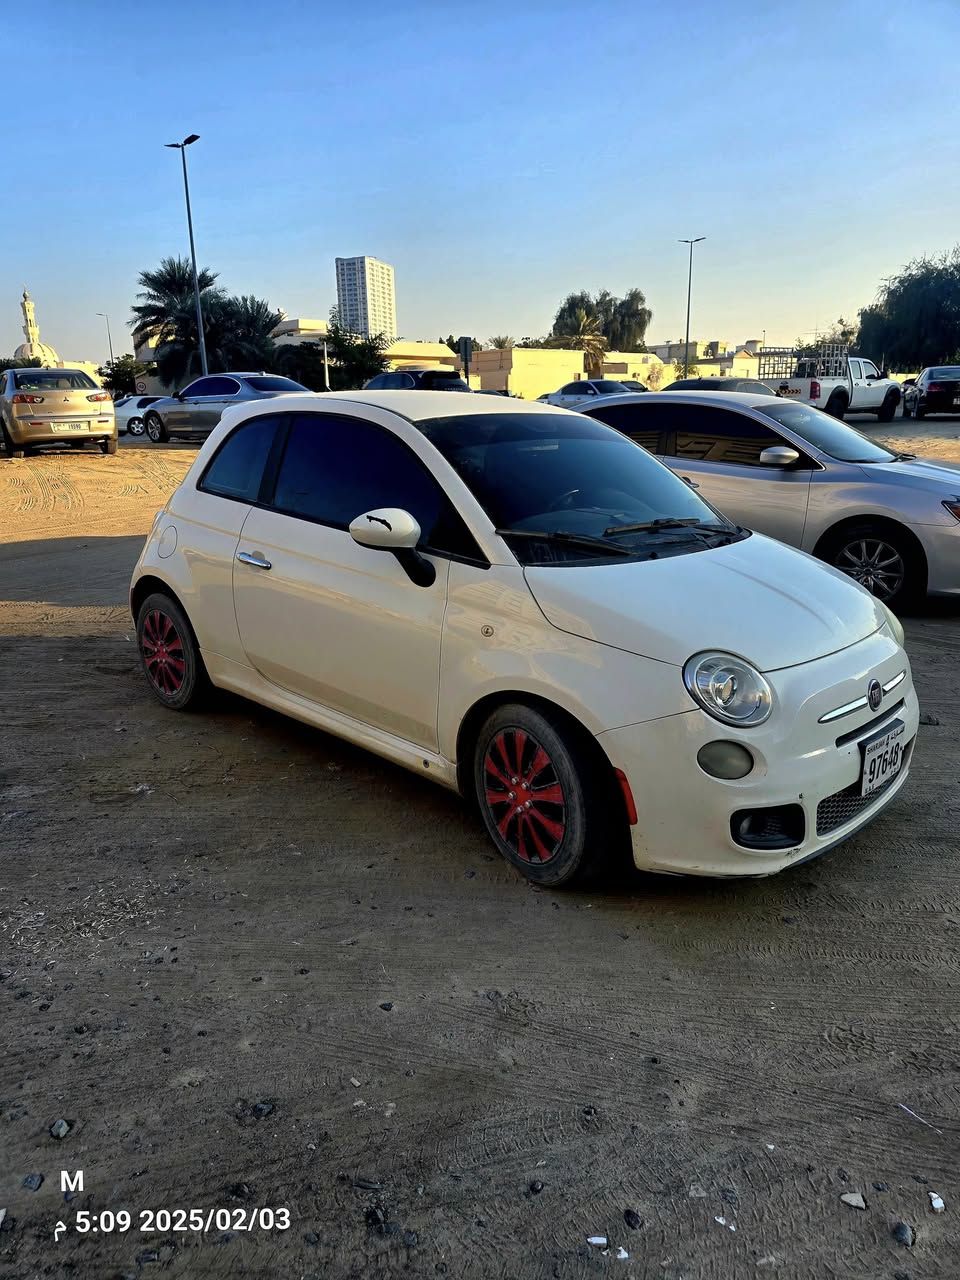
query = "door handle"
x=692 y=483
x=255 y=560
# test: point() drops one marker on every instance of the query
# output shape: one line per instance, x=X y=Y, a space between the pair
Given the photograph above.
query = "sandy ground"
x=251 y=966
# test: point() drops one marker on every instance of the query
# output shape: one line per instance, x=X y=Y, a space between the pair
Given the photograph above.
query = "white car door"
x=874 y=388
x=337 y=623
x=719 y=451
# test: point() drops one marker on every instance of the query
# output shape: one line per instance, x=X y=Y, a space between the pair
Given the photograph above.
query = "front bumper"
x=684 y=815
x=941 y=545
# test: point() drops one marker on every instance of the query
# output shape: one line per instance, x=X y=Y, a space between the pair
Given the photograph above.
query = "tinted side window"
x=218 y=387
x=574 y=389
x=198 y=388
x=717 y=435
x=334 y=469
x=237 y=467
x=634 y=420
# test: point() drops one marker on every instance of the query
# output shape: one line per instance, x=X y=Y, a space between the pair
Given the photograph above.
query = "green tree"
x=915 y=320
x=502 y=342
x=302 y=361
x=120 y=375
x=680 y=372
x=163 y=296
x=582 y=332
x=11 y=362
x=237 y=332
x=622 y=322
x=353 y=358
x=842 y=333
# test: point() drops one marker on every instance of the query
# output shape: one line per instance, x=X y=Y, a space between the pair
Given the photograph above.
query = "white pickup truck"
x=831 y=379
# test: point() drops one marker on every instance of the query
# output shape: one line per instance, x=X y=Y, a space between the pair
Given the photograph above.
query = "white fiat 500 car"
x=524 y=605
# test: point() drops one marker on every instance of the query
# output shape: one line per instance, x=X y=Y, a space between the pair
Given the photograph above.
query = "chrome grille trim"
x=858 y=704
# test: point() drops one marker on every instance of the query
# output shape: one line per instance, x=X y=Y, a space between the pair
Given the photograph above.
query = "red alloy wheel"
x=162 y=651
x=523 y=795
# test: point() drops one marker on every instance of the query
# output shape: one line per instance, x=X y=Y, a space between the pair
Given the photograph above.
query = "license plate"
x=70 y=426
x=882 y=758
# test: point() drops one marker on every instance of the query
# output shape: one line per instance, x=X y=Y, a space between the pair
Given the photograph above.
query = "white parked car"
x=575 y=394
x=525 y=606
x=129 y=413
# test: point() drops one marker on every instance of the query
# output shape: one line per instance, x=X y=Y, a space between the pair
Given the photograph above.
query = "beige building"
x=529 y=372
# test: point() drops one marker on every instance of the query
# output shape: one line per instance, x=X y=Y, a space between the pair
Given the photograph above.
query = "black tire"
x=837 y=405
x=109 y=446
x=169 y=654
x=155 y=429
x=919 y=411
x=907 y=410
x=135 y=427
x=8 y=444
x=888 y=409
x=854 y=549
x=555 y=841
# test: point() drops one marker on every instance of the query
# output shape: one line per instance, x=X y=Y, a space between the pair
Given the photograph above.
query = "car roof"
x=747 y=399
x=415 y=406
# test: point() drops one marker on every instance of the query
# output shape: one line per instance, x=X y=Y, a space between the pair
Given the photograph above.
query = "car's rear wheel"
x=155 y=428
x=837 y=405
x=880 y=559
x=169 y=653
x=889 y=407
x=135 y=427
x=543 y=796
x=8 y=444
x=109 y=445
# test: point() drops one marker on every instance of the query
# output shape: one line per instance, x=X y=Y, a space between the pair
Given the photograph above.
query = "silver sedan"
x=194 y=412
x=889 y=520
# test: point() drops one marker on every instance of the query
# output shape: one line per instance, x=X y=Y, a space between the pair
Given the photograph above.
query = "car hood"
x=941 y=478
x=756 y=598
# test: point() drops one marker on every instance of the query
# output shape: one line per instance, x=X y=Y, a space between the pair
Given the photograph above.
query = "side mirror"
x=393 y=529
x=386 y=528
x=778 y=455
x=178 y=395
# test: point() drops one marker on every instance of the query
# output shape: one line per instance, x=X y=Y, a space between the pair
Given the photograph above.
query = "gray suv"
x=194 y=412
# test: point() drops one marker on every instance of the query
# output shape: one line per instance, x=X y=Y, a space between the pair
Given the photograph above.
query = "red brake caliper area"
x=524 y=796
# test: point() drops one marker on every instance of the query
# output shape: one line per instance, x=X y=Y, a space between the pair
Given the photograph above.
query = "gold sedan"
x=52 y=407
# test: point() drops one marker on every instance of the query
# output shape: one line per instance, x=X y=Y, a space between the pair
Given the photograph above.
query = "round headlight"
x=728 y=688
x=893 y=622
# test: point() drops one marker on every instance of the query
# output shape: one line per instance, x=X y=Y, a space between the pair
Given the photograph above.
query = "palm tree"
x=162 y=296
x=502 y=342
x=584 y=335
x=237 y=331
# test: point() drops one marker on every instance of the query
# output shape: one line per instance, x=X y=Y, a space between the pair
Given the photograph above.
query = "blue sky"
x=498 y=155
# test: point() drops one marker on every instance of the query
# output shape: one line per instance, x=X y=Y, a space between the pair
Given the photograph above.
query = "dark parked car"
x=936 y=390
x=436 y=379
x=196 y=410
x=722 y=384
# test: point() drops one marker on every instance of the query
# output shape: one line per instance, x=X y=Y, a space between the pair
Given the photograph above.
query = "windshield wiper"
x=562 y=536
x=648 y=526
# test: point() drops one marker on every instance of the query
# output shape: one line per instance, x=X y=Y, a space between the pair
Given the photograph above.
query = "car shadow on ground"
x=84 y=572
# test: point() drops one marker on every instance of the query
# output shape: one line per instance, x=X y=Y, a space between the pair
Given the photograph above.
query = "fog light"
x=725 y=760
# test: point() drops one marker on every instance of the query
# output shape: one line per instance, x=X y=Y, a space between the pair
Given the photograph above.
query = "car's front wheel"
x=155 y=428
x=881 y=560
x=169 y=653
x=543 y=795
x=135 y=427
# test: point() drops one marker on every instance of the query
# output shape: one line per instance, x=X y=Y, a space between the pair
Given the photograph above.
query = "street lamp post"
x=109 y=338
x=182 y=148
x=686 y=345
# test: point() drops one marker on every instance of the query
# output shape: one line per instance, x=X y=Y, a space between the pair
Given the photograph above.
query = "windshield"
x=609 y=388
x=53 y=380
x=564 y=474
x=949 y=372
x=441 y=381
x=827 y=434
x=274 y=384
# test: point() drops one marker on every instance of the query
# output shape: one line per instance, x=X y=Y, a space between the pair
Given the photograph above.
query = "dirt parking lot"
x=251 y=966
